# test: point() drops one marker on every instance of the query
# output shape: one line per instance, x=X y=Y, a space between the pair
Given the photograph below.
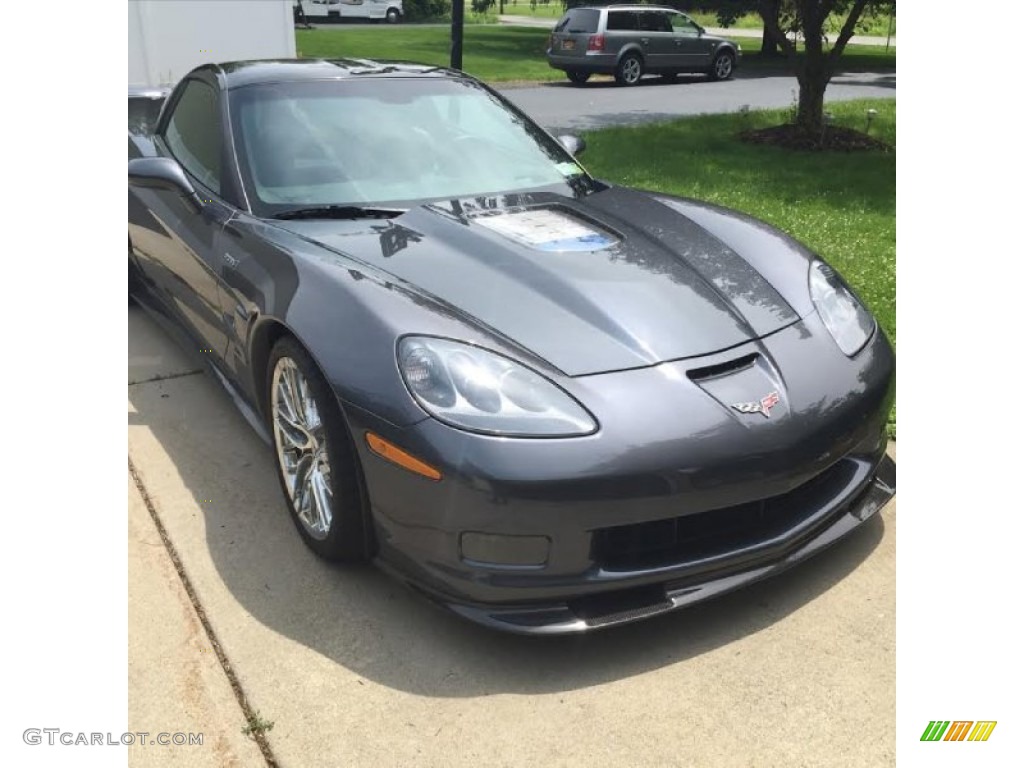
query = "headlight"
x=474 y=389
x=846 y=319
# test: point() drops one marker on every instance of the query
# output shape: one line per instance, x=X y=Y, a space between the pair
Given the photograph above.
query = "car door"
x=692 y=52
x=321 y=9
x=623 y=29
x=185 y=265
x=658 y=40
x=352 y=9
x=375 y=9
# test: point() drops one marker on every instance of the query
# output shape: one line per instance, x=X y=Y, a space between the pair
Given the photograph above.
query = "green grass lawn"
x=489 y=52
x=503 y=54
x=841 y=205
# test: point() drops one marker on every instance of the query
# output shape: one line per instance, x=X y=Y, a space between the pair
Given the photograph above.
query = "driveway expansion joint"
x=166 y=377
x=236 y=687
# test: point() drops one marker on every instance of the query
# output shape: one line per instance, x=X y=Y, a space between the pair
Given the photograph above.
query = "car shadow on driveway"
x=185 y=432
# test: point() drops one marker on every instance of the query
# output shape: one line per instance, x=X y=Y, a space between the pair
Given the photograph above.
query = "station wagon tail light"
x=595 y=43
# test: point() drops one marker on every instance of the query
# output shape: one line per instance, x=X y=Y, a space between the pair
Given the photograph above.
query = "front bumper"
x=677 y=498
x=685 y=585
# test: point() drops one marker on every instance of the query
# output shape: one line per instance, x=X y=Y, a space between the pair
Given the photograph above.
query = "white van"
x=390 y=11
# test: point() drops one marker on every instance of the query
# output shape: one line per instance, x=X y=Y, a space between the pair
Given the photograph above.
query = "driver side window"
x=682 y=25
x=193 y=134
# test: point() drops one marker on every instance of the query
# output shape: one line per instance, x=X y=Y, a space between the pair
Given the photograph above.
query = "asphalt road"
x=353 y=669
x=561 y=106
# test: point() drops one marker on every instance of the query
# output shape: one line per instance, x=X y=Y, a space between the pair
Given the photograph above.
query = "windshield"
x=382 y=141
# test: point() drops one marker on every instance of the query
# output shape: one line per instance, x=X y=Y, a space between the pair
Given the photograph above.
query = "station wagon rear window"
x=579 y=20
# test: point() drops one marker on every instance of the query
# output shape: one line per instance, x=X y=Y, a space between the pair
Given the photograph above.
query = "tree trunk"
x=768 y=45
x=813 y=73
x=810 y=114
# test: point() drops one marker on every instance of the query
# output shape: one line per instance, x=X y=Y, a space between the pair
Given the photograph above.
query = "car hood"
x=612 y=281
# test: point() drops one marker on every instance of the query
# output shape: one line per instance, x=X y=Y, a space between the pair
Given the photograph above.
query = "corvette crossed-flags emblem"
x=762 y=406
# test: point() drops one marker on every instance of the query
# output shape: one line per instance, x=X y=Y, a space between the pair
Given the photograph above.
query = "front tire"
x=629 y=70
x=577 y=77
x=316 y=460
x=722 y=66
x=392 y=16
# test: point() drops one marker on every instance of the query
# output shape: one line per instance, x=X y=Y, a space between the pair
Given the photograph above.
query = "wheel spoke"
x=298 y=404
x=300 y=481
x=285 y=399
x=291 y=431
x=311 y=415
x=320 y=493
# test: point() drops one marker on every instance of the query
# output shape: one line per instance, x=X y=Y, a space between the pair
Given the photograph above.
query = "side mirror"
x=573 y=144
x=163 y=173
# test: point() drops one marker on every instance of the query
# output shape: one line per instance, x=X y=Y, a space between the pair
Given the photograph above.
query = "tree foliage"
x=424 y=10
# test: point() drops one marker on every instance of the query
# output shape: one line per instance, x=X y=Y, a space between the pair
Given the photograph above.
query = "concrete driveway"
x=561 y=106
x=353 y=669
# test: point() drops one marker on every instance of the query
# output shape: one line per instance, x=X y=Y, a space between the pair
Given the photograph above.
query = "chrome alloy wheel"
x=300 y=439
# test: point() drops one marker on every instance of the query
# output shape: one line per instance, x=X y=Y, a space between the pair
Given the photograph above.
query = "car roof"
x=236 y=74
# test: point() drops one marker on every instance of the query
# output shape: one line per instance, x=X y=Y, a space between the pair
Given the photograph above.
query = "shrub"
x=423 y=10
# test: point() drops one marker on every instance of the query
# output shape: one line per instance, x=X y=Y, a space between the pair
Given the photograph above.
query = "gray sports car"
x=547 y=402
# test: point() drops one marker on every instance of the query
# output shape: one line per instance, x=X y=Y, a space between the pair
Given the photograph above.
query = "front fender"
x=349 y=318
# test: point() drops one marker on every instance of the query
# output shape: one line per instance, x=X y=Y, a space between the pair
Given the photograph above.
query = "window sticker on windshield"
x=569 y=169
x=547 y=230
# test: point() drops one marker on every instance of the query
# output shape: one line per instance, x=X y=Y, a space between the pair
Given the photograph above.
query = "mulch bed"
x=835 y=138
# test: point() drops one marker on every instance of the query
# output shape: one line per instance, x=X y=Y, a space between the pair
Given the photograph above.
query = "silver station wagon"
x=629 y=41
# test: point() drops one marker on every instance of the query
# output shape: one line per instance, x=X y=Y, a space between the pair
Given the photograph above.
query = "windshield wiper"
x=340 y=212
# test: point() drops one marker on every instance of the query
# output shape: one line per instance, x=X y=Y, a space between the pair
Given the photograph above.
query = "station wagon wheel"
x=629 y=70
x=316 y=463
x=722 y=66
x=392 y=16
x=577 y=77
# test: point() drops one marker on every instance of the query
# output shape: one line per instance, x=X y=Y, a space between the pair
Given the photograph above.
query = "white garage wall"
x=168 y=38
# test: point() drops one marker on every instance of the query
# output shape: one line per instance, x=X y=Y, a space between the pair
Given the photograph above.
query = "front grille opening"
x=718 y=531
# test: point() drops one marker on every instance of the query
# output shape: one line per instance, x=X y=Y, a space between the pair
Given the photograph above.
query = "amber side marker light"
x=396 y=455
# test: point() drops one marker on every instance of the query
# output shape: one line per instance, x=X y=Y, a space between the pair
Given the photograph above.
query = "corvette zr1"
x=547 y=402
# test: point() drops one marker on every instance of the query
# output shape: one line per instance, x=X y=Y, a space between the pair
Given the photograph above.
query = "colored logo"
x=762 y=406
x=958 y=730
